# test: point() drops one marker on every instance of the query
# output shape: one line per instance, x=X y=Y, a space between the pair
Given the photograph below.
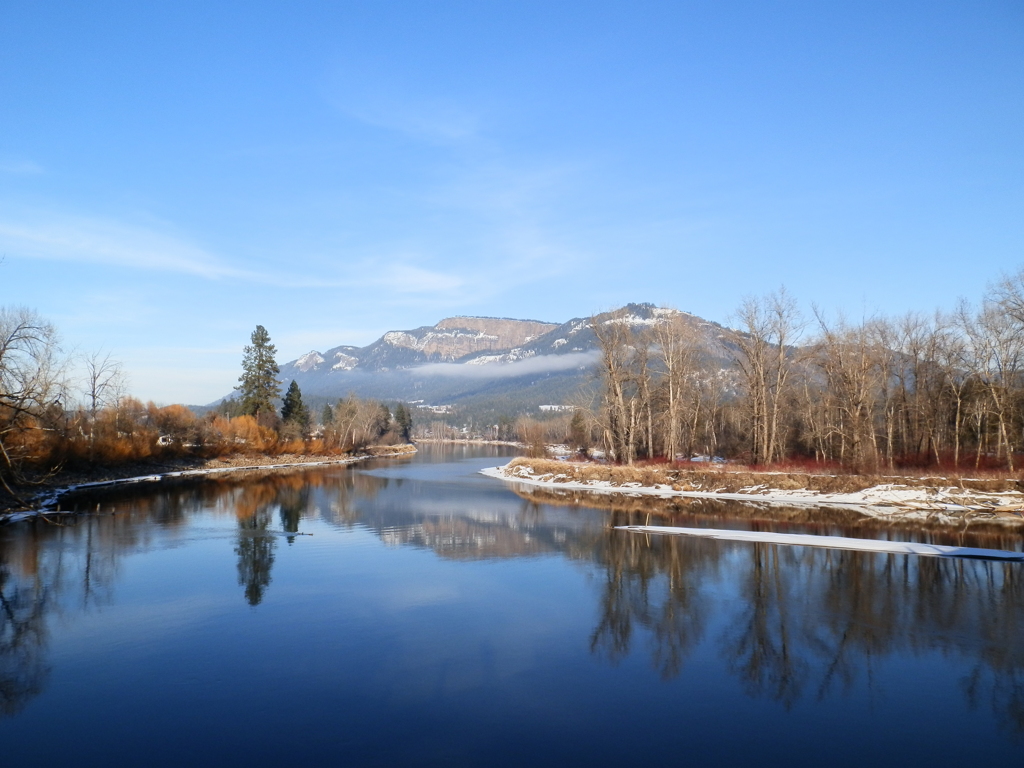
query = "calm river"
x=413 y=612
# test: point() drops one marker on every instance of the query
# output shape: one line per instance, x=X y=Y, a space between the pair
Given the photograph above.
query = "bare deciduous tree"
x=615 y=338
x=31 y=385
x=103 y=386
x=769 y=328
x=849 y=361
x=677 y=352
x=997 y=354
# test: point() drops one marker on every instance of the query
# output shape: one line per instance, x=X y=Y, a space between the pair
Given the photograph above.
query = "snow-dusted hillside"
x=477 y=358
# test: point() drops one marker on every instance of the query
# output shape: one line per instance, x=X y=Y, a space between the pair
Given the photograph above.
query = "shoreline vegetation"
x=58 y=433
x=46 y=497
x=942 y=392
x=924 y=499
x=471 y=441
x=862 y=409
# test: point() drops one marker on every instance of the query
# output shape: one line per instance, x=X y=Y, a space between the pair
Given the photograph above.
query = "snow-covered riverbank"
x=934 y=503
x=47 y=502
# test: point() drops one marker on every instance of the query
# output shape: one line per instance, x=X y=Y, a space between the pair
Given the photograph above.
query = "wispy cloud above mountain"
x=63 y=237
x=354 y=167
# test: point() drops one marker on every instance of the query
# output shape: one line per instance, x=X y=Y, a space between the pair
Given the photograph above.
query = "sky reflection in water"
x=436 y=617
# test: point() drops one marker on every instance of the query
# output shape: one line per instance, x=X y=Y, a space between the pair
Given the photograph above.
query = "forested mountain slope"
x=483 y=362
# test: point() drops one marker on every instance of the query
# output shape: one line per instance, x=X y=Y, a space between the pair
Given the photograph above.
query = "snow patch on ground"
x=937 y=504
x=48 y=504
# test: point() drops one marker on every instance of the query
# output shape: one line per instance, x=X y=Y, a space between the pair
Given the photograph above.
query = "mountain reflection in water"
x=789 y=624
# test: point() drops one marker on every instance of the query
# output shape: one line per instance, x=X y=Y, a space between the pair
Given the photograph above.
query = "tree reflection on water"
x=811 y=622
x=653 y=583
x=47 y=572
x=789 y=622
x=255 y=550
x=23 y=617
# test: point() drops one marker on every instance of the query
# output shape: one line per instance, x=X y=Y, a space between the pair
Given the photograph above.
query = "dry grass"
x=732 y=478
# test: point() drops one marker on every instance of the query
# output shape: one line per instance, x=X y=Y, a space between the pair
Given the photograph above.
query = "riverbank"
x=931 y=499
x=45 y=497
x=469 y=441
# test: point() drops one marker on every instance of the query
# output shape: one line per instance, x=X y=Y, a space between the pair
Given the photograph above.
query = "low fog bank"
x=528 y=367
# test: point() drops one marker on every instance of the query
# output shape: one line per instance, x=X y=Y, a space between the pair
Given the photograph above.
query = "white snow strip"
x=832 y=542
x=52 y=497
x=879 y=501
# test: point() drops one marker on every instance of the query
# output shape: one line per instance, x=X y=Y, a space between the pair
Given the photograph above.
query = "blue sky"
x=172 y=174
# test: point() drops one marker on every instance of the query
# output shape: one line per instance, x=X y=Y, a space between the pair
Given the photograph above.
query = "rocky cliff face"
x=451 y=339
x=456 y=337
x=500 y=333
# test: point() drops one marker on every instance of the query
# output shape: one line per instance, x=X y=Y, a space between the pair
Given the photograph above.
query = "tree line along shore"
x=942 y=393
x=57 y=429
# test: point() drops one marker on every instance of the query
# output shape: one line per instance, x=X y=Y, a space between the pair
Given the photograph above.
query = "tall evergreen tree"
x=293 y=409
x=230 y=408
x=259 y=385
x=403 y=420
x=327 y=416
x=383 y=421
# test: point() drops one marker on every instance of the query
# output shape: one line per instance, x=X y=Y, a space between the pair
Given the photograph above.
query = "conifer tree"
x=293 y=409
x=383 y=420
x=259 y=386
x=327 y=416
x=231 y=408
x=403 y=420
x=579 y=434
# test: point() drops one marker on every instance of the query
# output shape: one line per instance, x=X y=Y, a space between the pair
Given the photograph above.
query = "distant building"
x=436 y=408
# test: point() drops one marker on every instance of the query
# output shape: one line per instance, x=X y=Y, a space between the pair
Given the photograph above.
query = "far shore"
x=957 y=501
x=44 y=498
x=470 y=441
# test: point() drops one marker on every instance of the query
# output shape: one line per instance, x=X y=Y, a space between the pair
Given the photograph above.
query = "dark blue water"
x=434 y=617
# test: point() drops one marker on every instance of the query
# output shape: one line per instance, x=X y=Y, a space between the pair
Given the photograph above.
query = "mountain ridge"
x=482 y=362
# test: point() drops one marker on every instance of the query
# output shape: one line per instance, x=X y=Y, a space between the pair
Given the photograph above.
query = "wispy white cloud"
x=489 y=233
x=492 y=222
x=520 y=212
x=388 y=278
x=406 y=278
x=434 y=121
x=20 y=167
x=395 y=103
x=396 y=277
x=62 y=237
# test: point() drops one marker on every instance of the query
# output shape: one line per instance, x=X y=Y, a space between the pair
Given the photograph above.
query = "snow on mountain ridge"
x=345 y=362
x=308 y=361
x=512 y=356
x=484 y=358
